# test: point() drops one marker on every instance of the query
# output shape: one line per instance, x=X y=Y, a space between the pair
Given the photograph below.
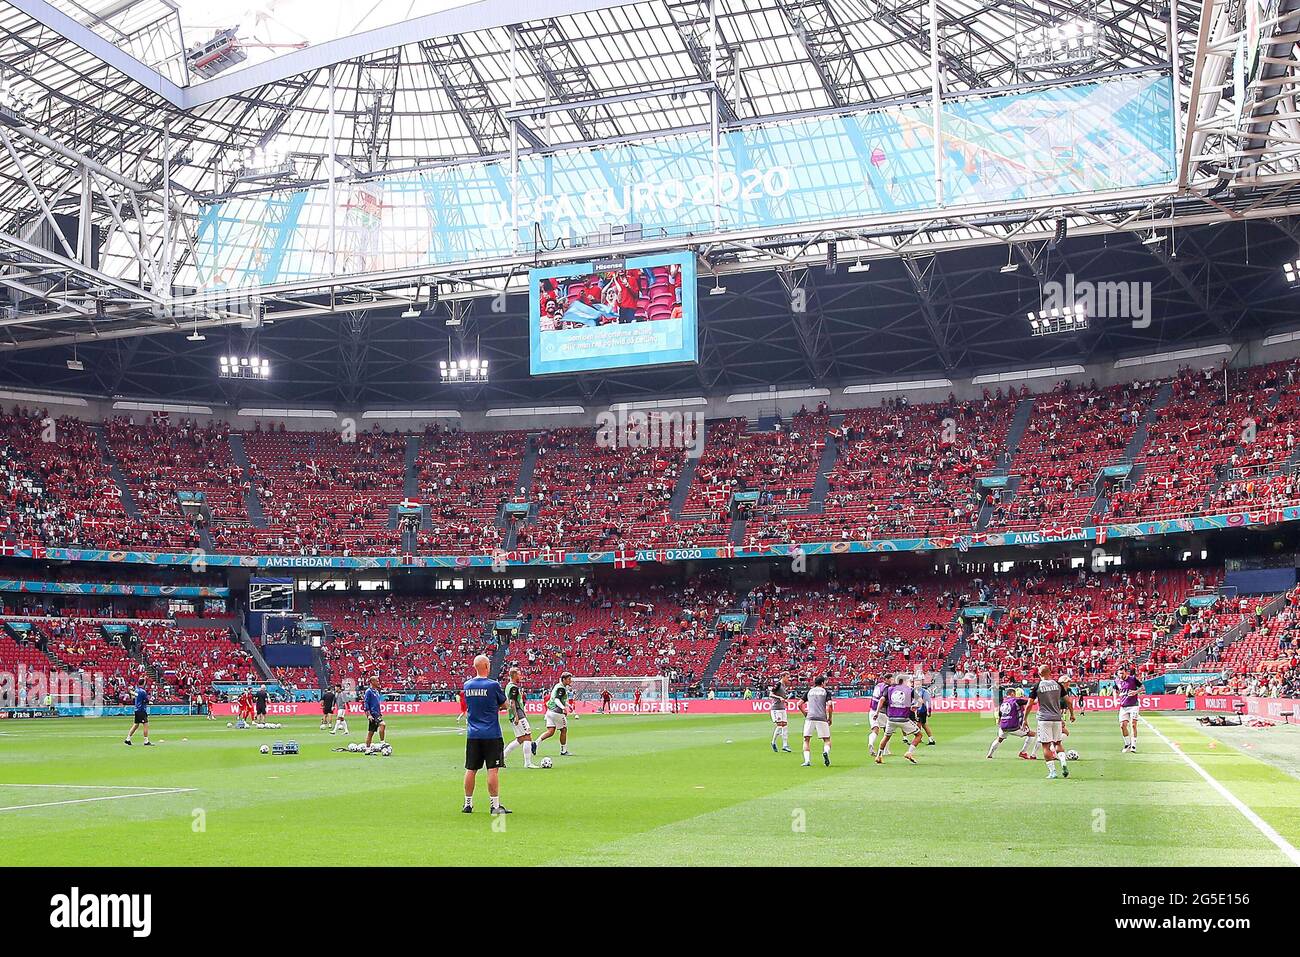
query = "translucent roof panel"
x=268 y=28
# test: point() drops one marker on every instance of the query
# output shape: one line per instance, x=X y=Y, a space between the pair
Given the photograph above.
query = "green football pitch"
x=662 y=790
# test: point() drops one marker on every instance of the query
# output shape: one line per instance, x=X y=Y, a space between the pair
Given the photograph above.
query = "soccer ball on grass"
x=546 y=762
x=1072 y=755
x=264 y=749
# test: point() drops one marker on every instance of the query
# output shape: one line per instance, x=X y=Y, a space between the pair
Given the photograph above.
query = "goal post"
x=623 y=699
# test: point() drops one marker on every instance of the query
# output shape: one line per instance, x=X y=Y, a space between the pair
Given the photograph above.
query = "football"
x=264 y=749
x=1072 y=755
x=546 y=762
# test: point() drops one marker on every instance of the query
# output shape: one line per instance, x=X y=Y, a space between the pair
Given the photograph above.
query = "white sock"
x=509 y=747
x=871 y=741
x=776 y=733
x=496 y=801
x=994 y=746
x=807 y=758
x=785 y=737
x=826 y=748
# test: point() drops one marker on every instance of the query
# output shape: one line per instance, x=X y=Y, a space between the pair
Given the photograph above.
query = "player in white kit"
x=780 y=696
x=818 y=710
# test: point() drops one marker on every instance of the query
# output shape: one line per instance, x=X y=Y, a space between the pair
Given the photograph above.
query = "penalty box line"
x=1280 y=842
x=136 y=791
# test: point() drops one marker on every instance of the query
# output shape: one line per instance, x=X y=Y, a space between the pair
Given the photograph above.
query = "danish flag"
x=625 y=559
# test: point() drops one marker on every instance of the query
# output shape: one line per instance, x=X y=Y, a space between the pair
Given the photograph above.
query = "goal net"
x=637 y=695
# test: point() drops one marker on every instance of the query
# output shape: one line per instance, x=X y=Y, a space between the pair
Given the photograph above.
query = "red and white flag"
x=625 y=559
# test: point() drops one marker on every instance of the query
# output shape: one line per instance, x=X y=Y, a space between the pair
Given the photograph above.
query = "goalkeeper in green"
x=515 y=699
x=558 y=709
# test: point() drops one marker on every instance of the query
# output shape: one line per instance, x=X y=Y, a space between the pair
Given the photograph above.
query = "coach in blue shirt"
x=141 y=714
x=371 y=706
x=484 y=747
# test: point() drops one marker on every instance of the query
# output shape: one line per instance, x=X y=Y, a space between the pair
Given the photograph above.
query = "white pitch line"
x=1280 y=842
x=107 y=797
x=98 y=787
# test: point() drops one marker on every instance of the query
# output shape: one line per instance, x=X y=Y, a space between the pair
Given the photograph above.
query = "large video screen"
x=634 y=312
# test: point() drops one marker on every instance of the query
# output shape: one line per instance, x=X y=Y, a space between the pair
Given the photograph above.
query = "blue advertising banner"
x=629 y=558
x=101 y=588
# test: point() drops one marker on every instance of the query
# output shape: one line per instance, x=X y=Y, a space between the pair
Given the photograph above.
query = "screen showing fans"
x=612 y=315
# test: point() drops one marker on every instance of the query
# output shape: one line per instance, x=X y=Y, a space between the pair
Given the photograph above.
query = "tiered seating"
x=847 y=631
x=652 y=631
x=192 y=658
x=1086 y=625
x=1071 y=435
x=897 y=474
x=1268 y=647
x=781 y=464
x=322 y=495
x=465 y=477
x=296 y=677
x=1198 y=436
x=410 y=643
x=56 y=489
x=159 y=460
x=84 y=648
x=592 y=496
x=15 y=654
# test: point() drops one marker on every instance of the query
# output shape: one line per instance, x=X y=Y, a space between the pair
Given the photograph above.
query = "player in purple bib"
x=899 y=705
x=1013 y=716
x=1128 y=690
x=878 y=719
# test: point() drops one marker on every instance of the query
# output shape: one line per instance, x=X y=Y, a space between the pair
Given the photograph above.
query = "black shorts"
x=327 y=708
x=922 y=714
x=484 y=753
x=375 y=723
x=141 y=716
x=261 y=712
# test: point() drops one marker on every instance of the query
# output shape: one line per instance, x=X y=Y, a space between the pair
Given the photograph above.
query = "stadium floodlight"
x=1153 y=238
x=1292 y=271
x=243 y=367
x=463 y=370
x=1057 y=46
x=717 y=290
x=1048 y=322
x=860 y=266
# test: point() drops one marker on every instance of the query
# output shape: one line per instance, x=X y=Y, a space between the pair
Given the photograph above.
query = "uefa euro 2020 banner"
x=1054 y=141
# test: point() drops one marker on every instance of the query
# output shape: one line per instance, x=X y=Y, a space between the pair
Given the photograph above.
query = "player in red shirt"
x=246 y=706
x=464 y=708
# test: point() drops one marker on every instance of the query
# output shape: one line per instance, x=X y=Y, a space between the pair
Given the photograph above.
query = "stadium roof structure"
x=106 y=122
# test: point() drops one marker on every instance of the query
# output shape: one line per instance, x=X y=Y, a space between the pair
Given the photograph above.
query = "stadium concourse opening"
x=744 y=420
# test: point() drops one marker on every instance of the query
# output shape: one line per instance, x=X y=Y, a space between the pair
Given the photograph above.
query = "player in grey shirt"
x=818 y=709
x=1053 y=701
